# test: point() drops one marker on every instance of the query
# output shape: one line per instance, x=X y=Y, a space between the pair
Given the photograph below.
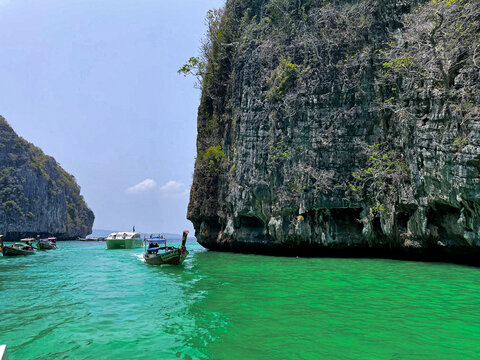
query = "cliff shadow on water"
x=340 y=128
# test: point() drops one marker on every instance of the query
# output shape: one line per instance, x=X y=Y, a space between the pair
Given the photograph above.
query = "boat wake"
x=139 y=257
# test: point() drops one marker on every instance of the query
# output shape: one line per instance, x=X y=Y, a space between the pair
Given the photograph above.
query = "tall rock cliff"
x=341 y=127
x=36 y=195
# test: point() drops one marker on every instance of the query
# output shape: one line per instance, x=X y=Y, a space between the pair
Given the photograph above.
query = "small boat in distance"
x=124 y=240
x=155 y=254
x=18 y=248
x=93 y=239
x=47 y=244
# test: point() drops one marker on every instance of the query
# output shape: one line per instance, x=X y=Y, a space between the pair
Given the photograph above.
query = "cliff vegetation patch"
x=37 y=196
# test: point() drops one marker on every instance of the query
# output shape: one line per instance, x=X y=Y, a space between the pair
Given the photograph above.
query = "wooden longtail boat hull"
x=173 y=257
x=11 y=251
x=44 y=246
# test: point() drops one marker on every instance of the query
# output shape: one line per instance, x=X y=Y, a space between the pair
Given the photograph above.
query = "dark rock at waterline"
x=332 y=127
x=37 y=197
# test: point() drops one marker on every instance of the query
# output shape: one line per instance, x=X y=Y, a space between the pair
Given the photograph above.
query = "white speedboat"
x=124 y=240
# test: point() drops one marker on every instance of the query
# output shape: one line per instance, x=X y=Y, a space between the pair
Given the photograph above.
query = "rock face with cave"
x=341 y=128
x=37 y=197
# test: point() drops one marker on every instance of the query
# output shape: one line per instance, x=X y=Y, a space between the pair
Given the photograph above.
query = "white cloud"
x=145 y=185
x=174 y=188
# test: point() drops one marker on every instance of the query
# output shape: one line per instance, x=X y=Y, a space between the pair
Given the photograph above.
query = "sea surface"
x=85 y=302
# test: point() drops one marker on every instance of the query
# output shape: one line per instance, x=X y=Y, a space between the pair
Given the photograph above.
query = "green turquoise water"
x=85 y=302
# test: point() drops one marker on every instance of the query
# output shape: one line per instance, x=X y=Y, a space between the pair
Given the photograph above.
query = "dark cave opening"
x=251 y=228
x=443 y=218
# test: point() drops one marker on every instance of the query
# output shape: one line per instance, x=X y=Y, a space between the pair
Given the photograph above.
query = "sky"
x=94 y=84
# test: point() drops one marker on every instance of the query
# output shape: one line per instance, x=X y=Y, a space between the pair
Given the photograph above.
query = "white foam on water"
x=139 y=257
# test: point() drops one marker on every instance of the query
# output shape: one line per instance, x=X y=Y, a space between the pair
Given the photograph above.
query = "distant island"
x=37 y=196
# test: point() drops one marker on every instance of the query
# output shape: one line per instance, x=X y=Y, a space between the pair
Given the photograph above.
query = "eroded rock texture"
x=341 y=127
x=37 y=197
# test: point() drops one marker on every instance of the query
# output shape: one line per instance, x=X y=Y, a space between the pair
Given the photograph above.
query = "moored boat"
x=124 y=240
x=17 y=249
x=47 y=244
x=93 y=239
x=155 y=254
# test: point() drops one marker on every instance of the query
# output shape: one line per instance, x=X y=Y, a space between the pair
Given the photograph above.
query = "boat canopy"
x=155 y=248
x=156 y=240
x=27 y=239
x=124 y=235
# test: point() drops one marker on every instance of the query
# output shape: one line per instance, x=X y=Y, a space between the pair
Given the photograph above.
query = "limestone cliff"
x=341 y=127
x=36 y=195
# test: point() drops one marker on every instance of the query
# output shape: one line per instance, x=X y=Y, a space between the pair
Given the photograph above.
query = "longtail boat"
x=47 y=244
x=155 y=254
x=18 y=248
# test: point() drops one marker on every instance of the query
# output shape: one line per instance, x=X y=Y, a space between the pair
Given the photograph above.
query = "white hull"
x=124 y=243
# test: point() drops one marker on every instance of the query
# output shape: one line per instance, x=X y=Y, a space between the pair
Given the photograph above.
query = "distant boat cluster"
x=93 y=239
x=157 y=252
x=27 y=246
